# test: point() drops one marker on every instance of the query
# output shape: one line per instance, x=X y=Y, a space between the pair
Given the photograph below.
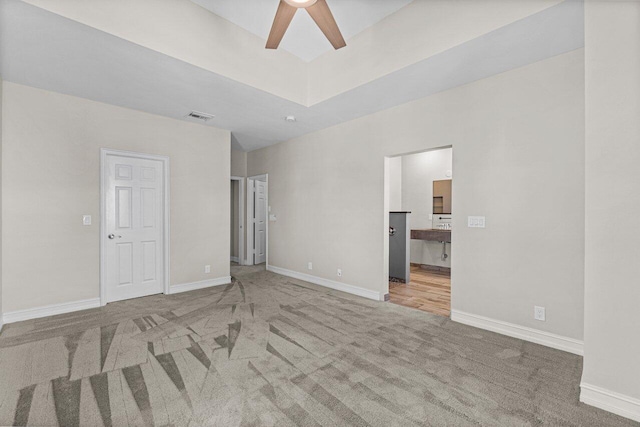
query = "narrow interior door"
x=260 y=223
x=134 y=227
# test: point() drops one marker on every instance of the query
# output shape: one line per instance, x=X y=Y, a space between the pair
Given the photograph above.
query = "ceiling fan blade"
x=281 y=22
x=321 y=13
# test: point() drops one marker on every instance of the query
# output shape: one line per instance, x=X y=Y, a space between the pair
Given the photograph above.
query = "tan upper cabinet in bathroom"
x=442 y=197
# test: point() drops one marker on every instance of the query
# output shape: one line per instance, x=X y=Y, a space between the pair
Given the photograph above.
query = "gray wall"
x=522 y=136
x=51 y=175
x=612 y=267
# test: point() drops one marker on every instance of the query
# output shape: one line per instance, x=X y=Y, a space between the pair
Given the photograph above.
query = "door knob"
x=113 y=236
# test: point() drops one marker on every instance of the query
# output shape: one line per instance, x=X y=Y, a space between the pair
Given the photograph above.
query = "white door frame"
x=240 y=180
x=104 y=152
x=385 y=229
x=251 y=188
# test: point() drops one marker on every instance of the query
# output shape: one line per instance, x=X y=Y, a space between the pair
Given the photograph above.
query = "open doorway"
x=236 y=249
x=419 y=196
x=257 y=220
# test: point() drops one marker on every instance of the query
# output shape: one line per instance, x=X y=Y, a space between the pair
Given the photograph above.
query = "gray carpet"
x=268 y=350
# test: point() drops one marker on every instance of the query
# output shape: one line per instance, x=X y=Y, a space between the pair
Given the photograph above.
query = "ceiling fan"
x=319 y=11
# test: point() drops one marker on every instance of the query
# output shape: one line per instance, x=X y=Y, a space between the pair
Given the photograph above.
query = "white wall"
x=518 y=140
x=50 y=170
x=238 y=163
x=400 y=40
x=395 y=183
x=612 y=267
x=183 y=30
x=418 y=173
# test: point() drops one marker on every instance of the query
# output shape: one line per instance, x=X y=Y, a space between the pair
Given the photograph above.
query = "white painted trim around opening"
x=50 y=310
x=186 y=287
x=350 y=289
x=104 y=152
x=251 y=218
x=240 y=258
x=611 y=401
x=548 y=339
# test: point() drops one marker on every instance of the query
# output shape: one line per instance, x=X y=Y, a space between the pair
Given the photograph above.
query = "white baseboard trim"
x=611 y=401
x=350 y=289
x=49 y=310
x=548 y=339
x=235 y=259
x=186 y=287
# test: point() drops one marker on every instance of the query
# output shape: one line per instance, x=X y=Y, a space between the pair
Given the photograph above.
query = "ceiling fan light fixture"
x=319 y=12
x=300 y=3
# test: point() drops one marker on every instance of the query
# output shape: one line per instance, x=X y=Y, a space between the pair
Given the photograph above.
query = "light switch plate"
x=86 y=219
x=476 y=222
x=273 y=218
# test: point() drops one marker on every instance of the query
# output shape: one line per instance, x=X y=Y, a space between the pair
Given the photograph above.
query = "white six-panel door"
x=260 y=236
x=134 y=227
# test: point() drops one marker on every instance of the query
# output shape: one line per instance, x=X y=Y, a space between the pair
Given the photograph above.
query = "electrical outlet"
x=86 y=219
x=539 y=313
x=207 y=269
x=476 y=222
x=310 y=266
x=339 y=273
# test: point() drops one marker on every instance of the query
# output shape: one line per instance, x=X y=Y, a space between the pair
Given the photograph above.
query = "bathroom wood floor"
x=428 y=291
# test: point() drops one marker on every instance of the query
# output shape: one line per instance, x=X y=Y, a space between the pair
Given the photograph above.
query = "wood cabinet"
x=432 y=235
x=442 y=197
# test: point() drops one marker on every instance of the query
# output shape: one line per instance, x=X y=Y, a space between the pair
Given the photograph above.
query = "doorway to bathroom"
x=419 y=197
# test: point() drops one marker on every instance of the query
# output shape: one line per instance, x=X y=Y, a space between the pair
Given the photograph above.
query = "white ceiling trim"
x=44 y=50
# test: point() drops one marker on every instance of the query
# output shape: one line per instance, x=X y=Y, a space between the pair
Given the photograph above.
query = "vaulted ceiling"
x=303 y=39
x=181 y=57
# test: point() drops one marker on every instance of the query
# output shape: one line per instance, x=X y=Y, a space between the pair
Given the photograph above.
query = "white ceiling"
x=303 y=38
x=44 y=50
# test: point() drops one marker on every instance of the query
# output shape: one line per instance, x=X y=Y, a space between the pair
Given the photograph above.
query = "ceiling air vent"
x=200 y=116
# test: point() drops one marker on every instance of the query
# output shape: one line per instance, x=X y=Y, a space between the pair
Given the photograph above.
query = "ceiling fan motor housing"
x=300 y=3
